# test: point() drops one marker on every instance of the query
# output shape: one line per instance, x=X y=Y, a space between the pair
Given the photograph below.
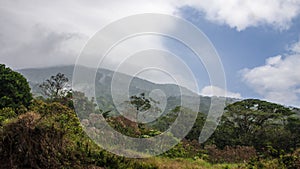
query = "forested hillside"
x=45 y=131
x=103 y=86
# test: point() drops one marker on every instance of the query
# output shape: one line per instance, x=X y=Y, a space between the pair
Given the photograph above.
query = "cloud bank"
x=249 y=13
x=279 y=79
x=217 y=91
x=35 y=33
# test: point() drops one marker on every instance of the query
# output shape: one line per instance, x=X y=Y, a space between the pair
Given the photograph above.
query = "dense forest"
x=45 y=132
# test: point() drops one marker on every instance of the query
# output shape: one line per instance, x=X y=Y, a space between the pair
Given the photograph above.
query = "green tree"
x=56 y=87
x=250 y=122
x=141 y=103
x=293 y=126
x=14 y=89
x=197 y=127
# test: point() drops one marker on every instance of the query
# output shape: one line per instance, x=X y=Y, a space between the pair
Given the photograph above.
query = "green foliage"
x=110 y=161
x=197 y=127
x=255 y=123
x=290 y=161
x=14 y=89
x=185 y=149
x=28 y=143
x=50 y=134
x=141 y=103
x=293 y=125
x=177 y=151
x=6 y=114
x=285 y=161
x=52 y=137
x=164 y=122
x=249 y=114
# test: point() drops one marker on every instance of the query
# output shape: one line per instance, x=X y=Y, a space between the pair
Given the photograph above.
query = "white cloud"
x=45 y=33
x=216 y=91
x=36 y=33
x=279 y=79
x=246 y=13
x=20 y=22
x=273 y=60
x=295 y=48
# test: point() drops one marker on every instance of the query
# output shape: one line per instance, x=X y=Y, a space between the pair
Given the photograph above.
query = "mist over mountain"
x=103 y=80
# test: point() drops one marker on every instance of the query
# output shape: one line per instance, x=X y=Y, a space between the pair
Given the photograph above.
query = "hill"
x=103 y=81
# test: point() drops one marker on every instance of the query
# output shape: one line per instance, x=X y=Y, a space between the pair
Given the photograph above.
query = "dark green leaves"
x=14 y=89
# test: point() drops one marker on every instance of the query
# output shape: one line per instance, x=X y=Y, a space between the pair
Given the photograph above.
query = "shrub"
x=287 y=161
x=230 y=154
x=5 y=114
x=53 y=138
x=291 y=161
x=26 y=144
x=176 y=151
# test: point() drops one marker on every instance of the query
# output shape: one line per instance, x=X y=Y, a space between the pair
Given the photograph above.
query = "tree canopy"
x=14 y=89
x=141 y=103
x=56 y=86
x=257 y=123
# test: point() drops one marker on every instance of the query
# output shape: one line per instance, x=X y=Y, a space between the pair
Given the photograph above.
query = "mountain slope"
x=103 y=81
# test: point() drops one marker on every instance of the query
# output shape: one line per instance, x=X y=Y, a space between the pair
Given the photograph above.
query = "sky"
x=258 y=41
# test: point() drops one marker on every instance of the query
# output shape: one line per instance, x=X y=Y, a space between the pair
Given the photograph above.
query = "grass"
x=186 y=163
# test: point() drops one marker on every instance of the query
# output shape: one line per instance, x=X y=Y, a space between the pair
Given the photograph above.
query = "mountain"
x=103 y=80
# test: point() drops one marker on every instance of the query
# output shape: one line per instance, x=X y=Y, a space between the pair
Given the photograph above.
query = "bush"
x=27 y=144
x=5 y=114
x=230 y=154
x=176 y=151
x=44 y=139
x=284 y=161
x=291 y=161
x=51 y=137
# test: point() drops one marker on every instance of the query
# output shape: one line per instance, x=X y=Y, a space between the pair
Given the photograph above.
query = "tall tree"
x=14 y=89
x=140 y=102
x=56 y=87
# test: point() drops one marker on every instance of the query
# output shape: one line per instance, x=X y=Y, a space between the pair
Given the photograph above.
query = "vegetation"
x=14 y=89
x=48 y=134
x=259 y=124
x=141 y=103
x=55 y=87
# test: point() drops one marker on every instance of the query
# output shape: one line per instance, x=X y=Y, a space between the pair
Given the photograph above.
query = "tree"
x=141 y=103
x=251 y=114
x=14 y=89
x=197 y=127
x=293 y=126
x=56 y=87
x=250 y=122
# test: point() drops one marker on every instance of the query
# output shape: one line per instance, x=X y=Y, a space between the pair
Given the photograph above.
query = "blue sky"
x=248 y=48
x=258 y=41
